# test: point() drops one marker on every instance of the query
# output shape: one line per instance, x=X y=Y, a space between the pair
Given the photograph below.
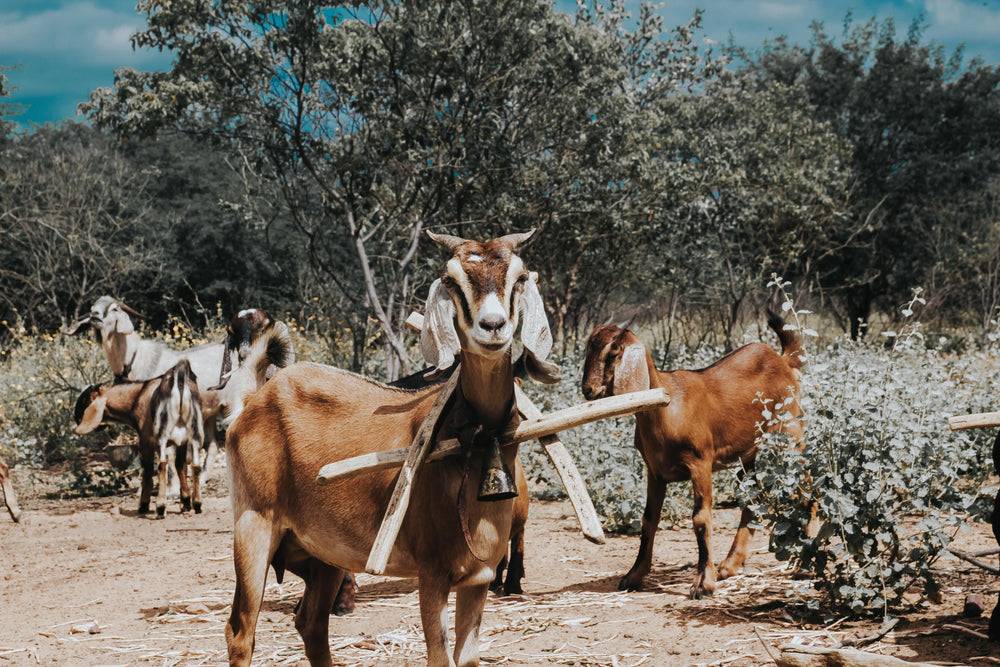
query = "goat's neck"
x=657 y=380
x=121 y=351
x=488 y=387
x=124 y=403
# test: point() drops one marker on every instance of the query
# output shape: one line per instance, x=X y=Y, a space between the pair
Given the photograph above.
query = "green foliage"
x=890 y=483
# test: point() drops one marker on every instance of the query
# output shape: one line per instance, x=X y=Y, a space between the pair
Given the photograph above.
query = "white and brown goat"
x=9 y=497
x=132 y=357
x=167 y=414
x=309 y=415
x=712 y=420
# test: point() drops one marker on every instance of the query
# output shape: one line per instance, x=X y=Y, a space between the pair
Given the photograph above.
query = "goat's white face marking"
x=483 y=289
x=246 y=311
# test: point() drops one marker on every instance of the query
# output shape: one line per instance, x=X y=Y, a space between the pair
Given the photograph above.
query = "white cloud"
x=82 y=31
x=963 y=21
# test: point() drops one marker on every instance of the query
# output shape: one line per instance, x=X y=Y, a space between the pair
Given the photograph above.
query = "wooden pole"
x=590 y=523
x=529 y=429
x=977 y=420
x=378 y=557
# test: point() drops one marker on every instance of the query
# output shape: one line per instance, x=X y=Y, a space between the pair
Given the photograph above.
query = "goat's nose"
x=591 y=392
x=492 y=322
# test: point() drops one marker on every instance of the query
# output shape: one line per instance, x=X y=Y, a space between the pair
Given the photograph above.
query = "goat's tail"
x=791 y=342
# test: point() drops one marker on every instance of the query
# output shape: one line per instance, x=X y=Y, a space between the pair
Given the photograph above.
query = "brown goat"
x=309 y=415
x=166 y=412
x=712 y=420
x=9 y=497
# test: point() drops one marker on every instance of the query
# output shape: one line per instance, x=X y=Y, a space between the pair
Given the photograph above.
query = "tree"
x=768 y=182
x=382 y=119
x=73 y=224
x=922 y=126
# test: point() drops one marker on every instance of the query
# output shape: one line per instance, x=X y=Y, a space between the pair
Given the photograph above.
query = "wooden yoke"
x=977 y=420
x=535 y=425
x=378 y=558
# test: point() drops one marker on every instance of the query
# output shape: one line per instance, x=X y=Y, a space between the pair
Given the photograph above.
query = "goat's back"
x=309 y=415
x=722 y=404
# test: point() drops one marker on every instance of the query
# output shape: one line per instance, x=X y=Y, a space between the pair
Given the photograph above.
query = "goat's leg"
x=497 y=585
x=469 y=603
x=146 y=459
x=180 y=465
x=515 y=569
x=701 y=483
x=347 y=595
x=196 y=466
x=656 y=488
x=254 y=542
x=166 y=462
x=312 y=618
x=738 y=553
x=434 y=591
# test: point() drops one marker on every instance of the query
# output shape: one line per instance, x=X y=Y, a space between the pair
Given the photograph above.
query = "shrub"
x=890 y=483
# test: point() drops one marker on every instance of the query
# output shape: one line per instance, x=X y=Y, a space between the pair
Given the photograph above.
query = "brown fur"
x=9 y=497
x=712 y=420
x=309 y=415
x=135 y=404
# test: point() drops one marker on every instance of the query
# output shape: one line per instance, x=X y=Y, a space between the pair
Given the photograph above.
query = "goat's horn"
x=75 y=328
x=131 y=311
x=447 y=240
x=515 y=241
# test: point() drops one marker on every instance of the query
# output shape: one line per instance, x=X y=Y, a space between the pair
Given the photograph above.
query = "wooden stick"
x=529 y=429
x=590 y=524
x=415 y=322
x=378 y=557
x=977 y=420
x=992 y=569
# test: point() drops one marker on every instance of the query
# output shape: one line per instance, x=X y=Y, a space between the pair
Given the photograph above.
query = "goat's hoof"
x=185 y=504
x=161 y=511
x=512 y=588
x=702 y=588
x=144 y=509
x=630 y=583
x=343 y=608
x=728 y=569
x=197 y=508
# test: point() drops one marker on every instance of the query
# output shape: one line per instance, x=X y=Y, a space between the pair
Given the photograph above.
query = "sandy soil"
x=159 y=593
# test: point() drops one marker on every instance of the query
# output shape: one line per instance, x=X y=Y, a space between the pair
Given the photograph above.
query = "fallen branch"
x=871 y=639
x=967 y=631
x=992 y=569
x=815 y=656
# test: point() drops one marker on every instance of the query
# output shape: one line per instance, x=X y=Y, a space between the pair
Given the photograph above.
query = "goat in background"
x=167 y=414
x=132 y=357
x=712 y=420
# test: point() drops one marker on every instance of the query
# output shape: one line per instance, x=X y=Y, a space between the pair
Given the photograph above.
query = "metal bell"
x=496 y=481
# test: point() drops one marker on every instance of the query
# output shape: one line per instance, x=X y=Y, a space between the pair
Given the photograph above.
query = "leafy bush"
x=890 y=483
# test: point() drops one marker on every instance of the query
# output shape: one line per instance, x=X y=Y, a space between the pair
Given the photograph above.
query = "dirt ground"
x=159 y=593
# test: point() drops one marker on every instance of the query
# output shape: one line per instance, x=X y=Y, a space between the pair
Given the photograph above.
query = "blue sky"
x=65 y=48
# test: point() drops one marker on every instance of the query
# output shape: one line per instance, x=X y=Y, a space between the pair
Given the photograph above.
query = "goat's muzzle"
x=591 y=392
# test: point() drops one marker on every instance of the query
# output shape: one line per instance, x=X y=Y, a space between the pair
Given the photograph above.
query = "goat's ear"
x=123 y=323
x=536 y=336
x=77 y=327
x=632 y=374
x=280 y=350
x=92 y=416
x=438 y=340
